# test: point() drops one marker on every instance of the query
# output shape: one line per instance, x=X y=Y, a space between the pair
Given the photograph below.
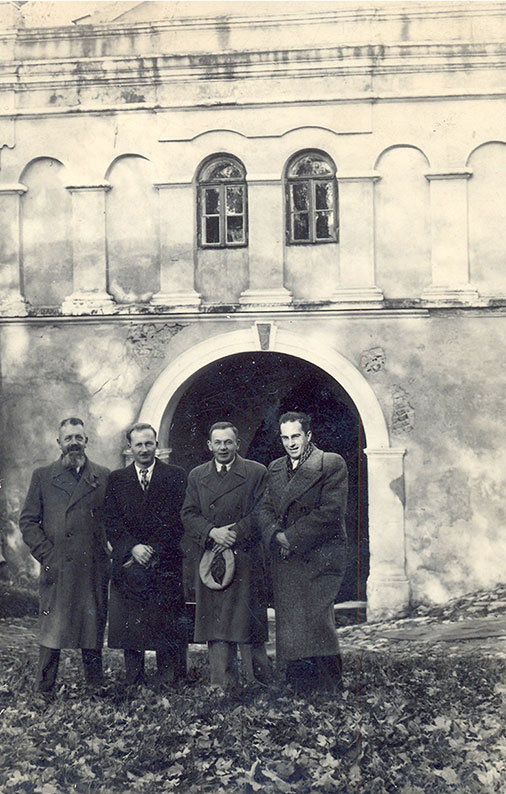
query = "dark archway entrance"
x=252 y=390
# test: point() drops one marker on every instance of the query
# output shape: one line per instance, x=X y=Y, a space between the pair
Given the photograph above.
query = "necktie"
x=223 y=471
x=144 y=479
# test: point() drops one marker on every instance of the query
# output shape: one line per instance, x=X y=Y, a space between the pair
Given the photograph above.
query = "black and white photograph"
x=253 y=397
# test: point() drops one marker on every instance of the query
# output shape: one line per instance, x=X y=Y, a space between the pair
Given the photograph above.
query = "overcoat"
x=310 y=508
x=239 y=612
x=146 y=606
x=59 y=523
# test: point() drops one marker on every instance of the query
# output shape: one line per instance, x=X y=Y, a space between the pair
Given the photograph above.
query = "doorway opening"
x=252 y=390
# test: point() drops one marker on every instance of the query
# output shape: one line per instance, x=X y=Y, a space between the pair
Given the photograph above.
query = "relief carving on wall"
x=403 y=414
x=373 y=360
x=147 y=342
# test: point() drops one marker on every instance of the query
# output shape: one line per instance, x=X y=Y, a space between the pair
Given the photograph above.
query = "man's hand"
x=224 y=536
x=142 y=553
x=285 y=546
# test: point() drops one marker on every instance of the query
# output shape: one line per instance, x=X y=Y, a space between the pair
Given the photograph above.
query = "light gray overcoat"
x=310 y=509
x=59 y=526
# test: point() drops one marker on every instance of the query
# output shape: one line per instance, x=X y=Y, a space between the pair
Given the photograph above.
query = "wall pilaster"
x=449 y=237
x=89 y=295
x=357 y=279
x=266 y=254
x=177 y=242
x=388 y=589
x=12 y=301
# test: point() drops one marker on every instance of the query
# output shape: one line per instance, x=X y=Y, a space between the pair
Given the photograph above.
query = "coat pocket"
x=49 y=569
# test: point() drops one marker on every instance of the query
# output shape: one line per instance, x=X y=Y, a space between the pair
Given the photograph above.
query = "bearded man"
x=59 y=524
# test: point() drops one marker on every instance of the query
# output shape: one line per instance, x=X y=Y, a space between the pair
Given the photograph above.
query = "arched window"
x=311 y=200
x=222 y=203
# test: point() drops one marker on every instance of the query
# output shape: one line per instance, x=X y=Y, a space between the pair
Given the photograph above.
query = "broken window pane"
x=224 y=171
x=324 y=195
x=235 y=226
x=301 y=226
x=212 y=230
x=324 y=225
x=300 y=193
x=234 y=201
x=212 y=201
x=310 y=165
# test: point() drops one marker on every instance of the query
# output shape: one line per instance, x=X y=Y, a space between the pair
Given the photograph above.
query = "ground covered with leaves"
x=418 y=718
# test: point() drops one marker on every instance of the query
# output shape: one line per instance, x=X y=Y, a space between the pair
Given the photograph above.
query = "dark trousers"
x=49 y=659
x=170 y=662
x=223 y=666
x=315 y=672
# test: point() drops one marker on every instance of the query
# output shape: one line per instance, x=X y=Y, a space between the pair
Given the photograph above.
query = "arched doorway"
x=387 y=584
x=252 y=390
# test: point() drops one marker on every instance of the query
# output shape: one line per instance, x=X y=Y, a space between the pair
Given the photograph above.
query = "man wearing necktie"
x=217 y=517
x=59 y=524
x=146 y=608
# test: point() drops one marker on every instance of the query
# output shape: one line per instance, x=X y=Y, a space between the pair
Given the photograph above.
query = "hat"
x=207 y=568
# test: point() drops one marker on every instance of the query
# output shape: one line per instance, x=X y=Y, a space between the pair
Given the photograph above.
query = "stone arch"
x=387 y=586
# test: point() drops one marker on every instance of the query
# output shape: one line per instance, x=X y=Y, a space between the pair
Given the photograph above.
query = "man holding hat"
x=230 y=587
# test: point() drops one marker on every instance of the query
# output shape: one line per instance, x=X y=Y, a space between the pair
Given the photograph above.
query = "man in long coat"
x=59 y=524
x=217 y=515
x=146 y=607
x=302 y=518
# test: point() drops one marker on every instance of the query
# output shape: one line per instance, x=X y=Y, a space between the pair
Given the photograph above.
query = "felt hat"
x=208 y=562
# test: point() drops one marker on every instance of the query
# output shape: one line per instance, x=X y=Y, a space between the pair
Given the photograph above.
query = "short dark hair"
x=297 y=416
x=139 y=426
x=223 y=426
x=71 y=420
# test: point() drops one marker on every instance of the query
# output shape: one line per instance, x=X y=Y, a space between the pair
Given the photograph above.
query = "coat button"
x=212 y=507
x=69 y=534
x=46 y=568
x=69 y=558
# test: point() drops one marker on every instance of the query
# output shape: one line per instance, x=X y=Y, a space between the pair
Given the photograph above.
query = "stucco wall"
x=427 y=376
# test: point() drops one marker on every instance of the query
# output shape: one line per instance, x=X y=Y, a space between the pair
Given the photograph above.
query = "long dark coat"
x=238 y=613
x=310 y=509
x=59 y=524
x=146 y=606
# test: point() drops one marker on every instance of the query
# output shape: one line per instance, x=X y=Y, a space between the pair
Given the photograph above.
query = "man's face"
x=72 y=441
x=224 y=445
x=143 y=445
x=294 y=439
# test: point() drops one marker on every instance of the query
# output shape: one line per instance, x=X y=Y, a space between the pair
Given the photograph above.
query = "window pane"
x=234 y=200
x=301 y=227
x=310 y=165
x=224 y=171
x=235 y=229
x=324 y=195
x=300 y=195
x=212 y=201
x=324 y=223
x=212 y=230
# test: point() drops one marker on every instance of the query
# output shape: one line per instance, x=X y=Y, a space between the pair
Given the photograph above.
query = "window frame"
x=221 y=184
x=312 y=180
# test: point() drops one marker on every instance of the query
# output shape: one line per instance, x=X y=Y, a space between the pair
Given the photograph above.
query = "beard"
x=73 y=458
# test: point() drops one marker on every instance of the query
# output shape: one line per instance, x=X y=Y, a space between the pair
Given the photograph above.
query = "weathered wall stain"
x=147 y=343
x=403 y=414
x=373 y=360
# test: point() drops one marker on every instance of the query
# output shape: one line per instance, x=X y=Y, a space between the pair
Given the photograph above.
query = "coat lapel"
x=220 y=486
x=62 y=479
x=302 y=481
x=87 y=484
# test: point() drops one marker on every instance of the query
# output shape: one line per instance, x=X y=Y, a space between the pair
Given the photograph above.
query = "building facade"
x=209 y=214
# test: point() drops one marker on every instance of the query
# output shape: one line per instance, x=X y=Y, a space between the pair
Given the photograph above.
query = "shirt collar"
x=219 y=465
x=149 y=469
